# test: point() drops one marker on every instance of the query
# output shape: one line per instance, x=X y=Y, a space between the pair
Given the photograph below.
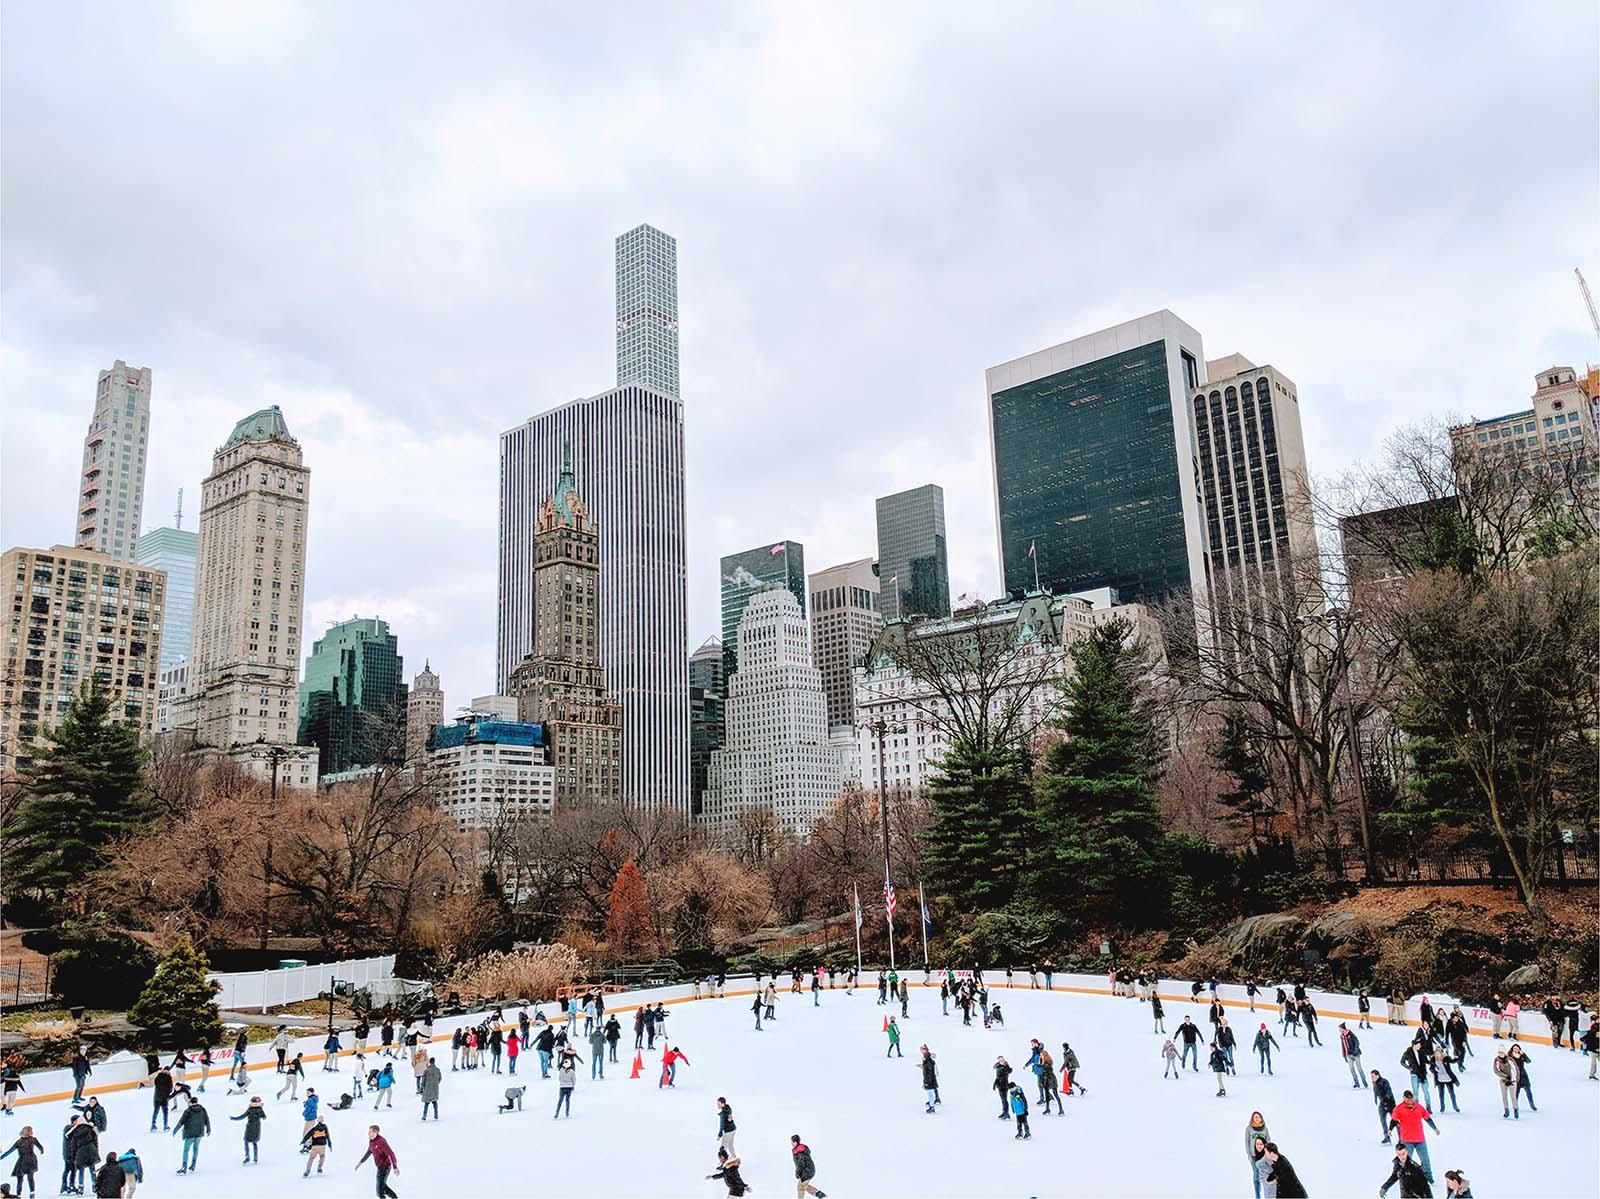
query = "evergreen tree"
x=1237 y=754
x=1100 y=834
x=178 y=1006
x=979 y=804
x=84 y=791
x=629 y=926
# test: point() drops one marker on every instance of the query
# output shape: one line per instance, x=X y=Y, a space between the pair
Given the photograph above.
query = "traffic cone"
x=638 y=1064
x=886 y=1024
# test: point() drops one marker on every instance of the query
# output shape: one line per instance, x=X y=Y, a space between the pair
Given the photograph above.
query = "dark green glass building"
x=776 y=564
x=913 y=562
x=353 y=697
x=1093 y=462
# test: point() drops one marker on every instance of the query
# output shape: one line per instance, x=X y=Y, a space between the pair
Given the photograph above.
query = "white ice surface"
x=822 y=1073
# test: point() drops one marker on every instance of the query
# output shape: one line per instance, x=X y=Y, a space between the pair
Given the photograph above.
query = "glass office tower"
x=1094 y=464
x=174 y=551
x=911 y=553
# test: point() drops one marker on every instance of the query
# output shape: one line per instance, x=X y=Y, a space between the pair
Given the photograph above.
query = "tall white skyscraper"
x=111 y=494
x=647 y=309
x=777 y=756
x=627 y=447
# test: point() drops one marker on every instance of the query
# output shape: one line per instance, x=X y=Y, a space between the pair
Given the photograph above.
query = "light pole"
x=273 y=754
x=881 y=728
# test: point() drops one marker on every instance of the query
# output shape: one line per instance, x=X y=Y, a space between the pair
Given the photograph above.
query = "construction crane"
x=1583 y=286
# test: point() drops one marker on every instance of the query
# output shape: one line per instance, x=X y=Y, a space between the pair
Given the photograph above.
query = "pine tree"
x=84 y=790
x=1100 y=834
x=979 y=804
x=1238 y=754
x=630 y=930
x=178 y=1006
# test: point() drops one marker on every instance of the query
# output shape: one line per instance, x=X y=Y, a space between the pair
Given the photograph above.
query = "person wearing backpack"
x=804 y=1169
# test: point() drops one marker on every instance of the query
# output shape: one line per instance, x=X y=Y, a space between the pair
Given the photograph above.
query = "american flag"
x=888 y=898
x=781 y=548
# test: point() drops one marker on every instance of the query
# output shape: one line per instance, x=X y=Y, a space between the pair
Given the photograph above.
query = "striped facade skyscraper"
x=627 y=447
x=111 y=491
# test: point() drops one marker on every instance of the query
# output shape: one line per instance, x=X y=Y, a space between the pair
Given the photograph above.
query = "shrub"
x=532 y=974
x=93 y=964
x=1408 y=961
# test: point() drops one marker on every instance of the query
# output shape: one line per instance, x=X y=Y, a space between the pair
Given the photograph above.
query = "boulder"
x=1523 y=976
x=1335 y=930
x=1262 y=939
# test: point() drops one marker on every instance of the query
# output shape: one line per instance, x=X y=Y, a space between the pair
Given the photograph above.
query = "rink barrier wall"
x=1332 y=1007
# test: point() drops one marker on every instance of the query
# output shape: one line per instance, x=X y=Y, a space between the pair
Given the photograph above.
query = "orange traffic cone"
x=638 y=1064
x=886 y=1024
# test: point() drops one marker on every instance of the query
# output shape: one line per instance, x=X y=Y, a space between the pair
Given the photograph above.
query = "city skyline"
x=1378 y=333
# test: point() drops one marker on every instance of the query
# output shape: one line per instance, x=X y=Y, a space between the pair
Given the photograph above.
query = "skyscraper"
x=353 y=697
x=174 y=551
x=844 y=620
x=746 y=574
x=627 y=446
x=424 y=709
x=74 y=615
x=707 y=722
x=1250 y=468
x=1092 y=449
x=647 y=309
x=913 y=564
x=249 y=599
x=561 y=684
x=111 y=493
x=777 y=757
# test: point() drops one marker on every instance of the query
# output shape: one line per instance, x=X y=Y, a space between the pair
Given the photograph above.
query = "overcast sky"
x=396 y=222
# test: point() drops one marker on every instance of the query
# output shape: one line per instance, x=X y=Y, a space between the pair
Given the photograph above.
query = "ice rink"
x=821 y=1072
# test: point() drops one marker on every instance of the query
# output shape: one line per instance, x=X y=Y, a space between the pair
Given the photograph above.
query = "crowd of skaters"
x=1436 y=1055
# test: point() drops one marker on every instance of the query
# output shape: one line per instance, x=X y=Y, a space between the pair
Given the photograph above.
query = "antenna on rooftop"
x=177 y=516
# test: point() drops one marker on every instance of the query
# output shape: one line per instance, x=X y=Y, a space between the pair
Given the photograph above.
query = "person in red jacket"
x=1407 y=1119
x=669 y=1066
x=383 y=1158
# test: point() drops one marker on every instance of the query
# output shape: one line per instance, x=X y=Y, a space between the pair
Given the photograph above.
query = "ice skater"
x=805 y=1169
x=1158 y=1013
x=1219 y=1066
x=1069 y=1072
x=293 y=1073
x=383 y=1158
x=1002 y=1084
x=1264 y=1044
x=893 y=1031
x=930 y=1080
x=728 y=1170
x=513 y=1099
x=1169 y=1054
x=252 y=1116
x=1189 y=1034
x=1350 y=1050
x=1256 y=1137
x=1383 y=1100
x=1019 y=1108
x=725 y=1125
x=316 y=1144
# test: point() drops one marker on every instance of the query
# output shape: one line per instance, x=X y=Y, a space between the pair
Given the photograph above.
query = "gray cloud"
x=396 y=222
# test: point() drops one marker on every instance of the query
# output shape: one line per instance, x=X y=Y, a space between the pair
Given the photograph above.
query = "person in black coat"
x=1383 y=1097
x=81 y=1151
x=728 y=1171
x=109 y=1179
x=160 y=1097
x=1283 y=1175
x=1002 y=1083
x=1413 y=1181
x=930 y=1078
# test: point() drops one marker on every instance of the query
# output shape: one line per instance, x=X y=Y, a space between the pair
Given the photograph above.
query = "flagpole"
x=858 y=929
x=1033 y=552
x=922 y=905
x=888 y=915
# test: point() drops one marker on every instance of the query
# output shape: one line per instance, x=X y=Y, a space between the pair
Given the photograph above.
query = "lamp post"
x=881 y=728
x=272 y=754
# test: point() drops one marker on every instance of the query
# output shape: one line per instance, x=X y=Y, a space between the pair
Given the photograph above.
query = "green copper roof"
x=565 y=488
x=259 y=426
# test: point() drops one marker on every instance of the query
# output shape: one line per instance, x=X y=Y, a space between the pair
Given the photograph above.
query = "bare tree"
x=985 y=677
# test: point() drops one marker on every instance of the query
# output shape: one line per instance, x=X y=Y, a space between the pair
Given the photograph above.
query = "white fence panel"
x=270 y=988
